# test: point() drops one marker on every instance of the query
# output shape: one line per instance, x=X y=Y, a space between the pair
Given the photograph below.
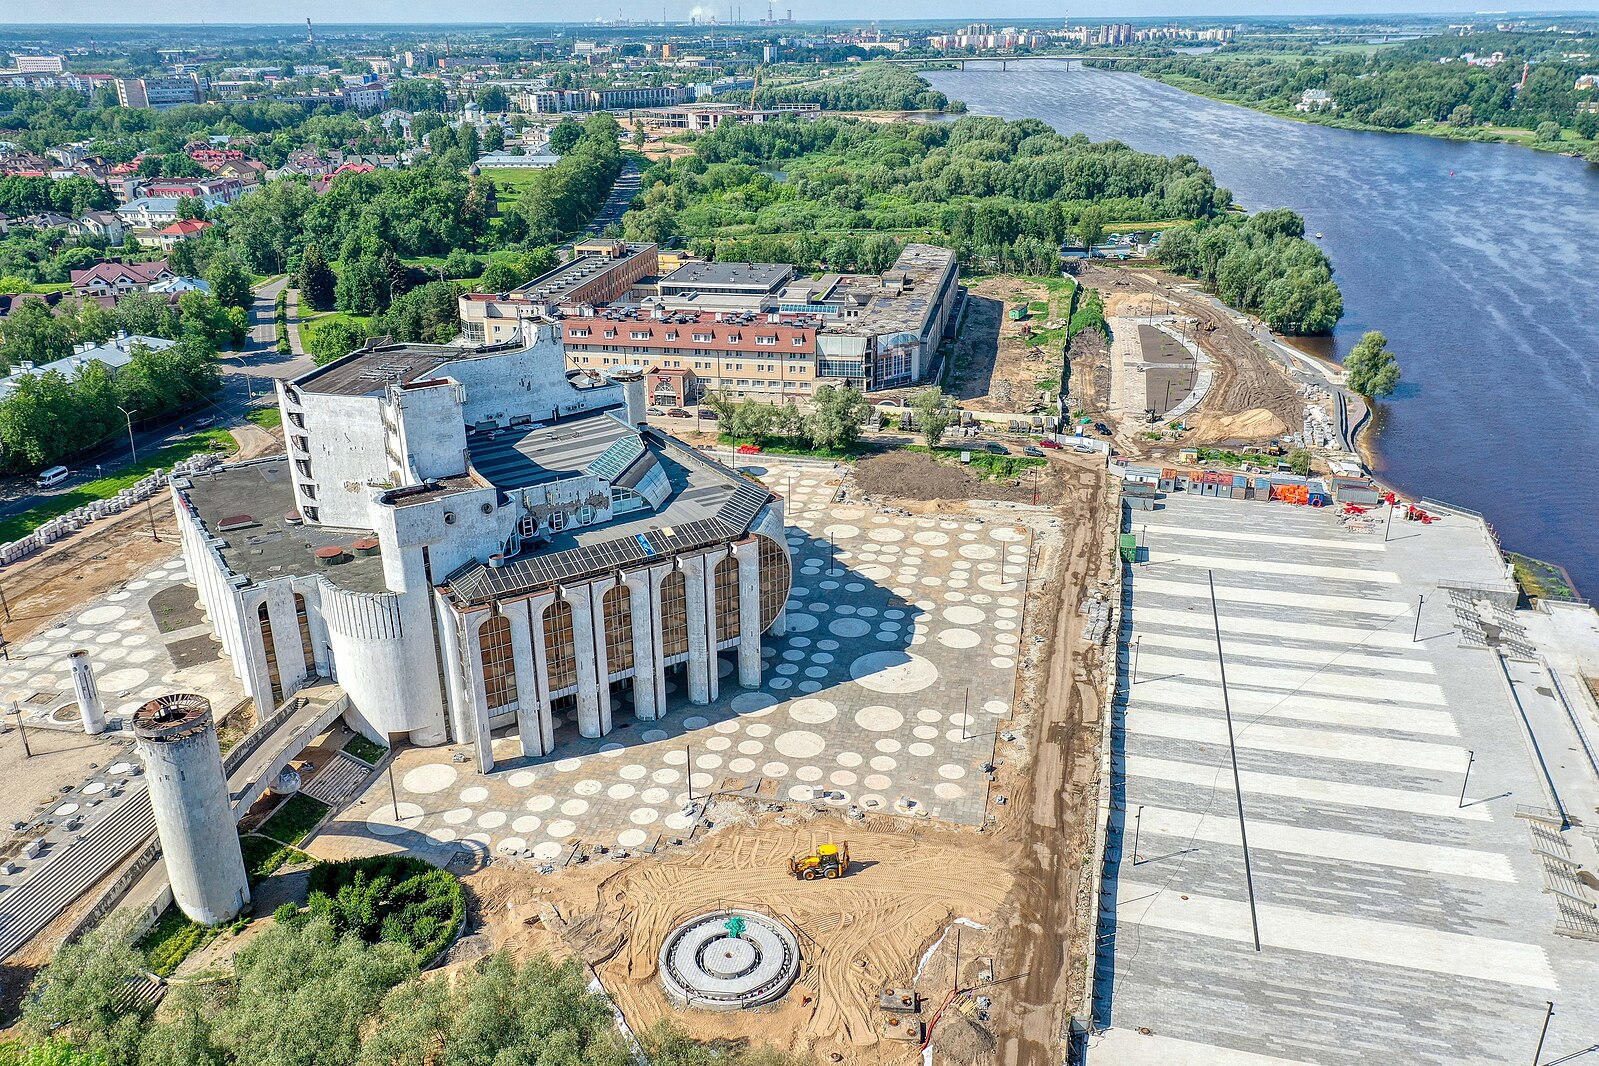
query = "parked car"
x=1100 y=427
x=995 y=447
x=678 y=412
x=706 y=412
x=1031 y=450
x=207 y=421
x=1047 y=443
x=657 y=411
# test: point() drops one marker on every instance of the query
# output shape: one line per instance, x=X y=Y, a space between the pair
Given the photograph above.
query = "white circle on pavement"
x=849 y=628
x=575 y=807
x=850 y=759
x=775 y=769
x=621 y=791
x=997 y=707
x=560 y=828
x=950 y=772
x=547 y=850
x=801 y=623
x=655 y=795
x=753 y=704
x=948 y=790
x=491 y=820
x=741 y=765
x=879 y=719
x=878 y=783
x=809 y=773
x=458 y=815
x=632 y=772
x=644 y=816
x=799 y=744
x=959 y=638
x=963 y=615
x=388 y=821
x=540 y=804
x=527 y=823
x=521 y=779
x=632 y=838
x=511 y=846
x=588 y=787
x=921 y=751
x=893 y=671
x=475 y=794
x=812 y=711
x=434 y=777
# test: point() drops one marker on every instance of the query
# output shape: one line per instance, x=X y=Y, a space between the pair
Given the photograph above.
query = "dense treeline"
x=1407 y=86
x=300 y=993
x=73 y=196
x=1003 y=194
x=39 y=121
x=877 y=87
x=1262 y=265
x=561 y=200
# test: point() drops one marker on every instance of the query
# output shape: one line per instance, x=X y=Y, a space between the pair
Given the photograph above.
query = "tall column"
x=476 y=700
x=536 y=607
x=649 y=677
x=531 y=709
x=293 y=659
x=449 y=630
x=588 y=643
x=257 y=677
x=748 y=554
x=701 y=646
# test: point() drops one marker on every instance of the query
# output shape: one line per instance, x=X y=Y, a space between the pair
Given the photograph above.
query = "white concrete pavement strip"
x=1389 y=634
x=1129 y=1047
x=1322 y=744
x=1310 y=790
x=1271 y=597
x=1268 y=566
x=1359 y=939
x=1242 y=537
x=1321 y=681
x=1344 y=657
x=1250 y=704
x=1220 y=828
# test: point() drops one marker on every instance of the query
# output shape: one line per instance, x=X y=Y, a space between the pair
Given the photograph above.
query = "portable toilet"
x=1129 y=548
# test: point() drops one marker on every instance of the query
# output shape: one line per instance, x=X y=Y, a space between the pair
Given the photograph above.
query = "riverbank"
x=1574 y=148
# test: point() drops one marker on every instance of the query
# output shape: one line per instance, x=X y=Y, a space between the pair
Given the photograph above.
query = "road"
x=246 y=382
x=616 y=204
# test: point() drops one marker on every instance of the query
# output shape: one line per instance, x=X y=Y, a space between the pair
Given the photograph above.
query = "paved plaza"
x=134 y=657
x=1398 y=921
x=885 y=693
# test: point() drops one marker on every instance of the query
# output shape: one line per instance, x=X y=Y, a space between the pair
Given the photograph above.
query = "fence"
x=65 y=525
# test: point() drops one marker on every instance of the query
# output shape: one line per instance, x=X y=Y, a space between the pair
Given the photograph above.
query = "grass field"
x=293 y=822
x=266 y=417
x=509 y=183
x=21 y=525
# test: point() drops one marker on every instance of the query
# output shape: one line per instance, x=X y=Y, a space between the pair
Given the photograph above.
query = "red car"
x=1047 y=443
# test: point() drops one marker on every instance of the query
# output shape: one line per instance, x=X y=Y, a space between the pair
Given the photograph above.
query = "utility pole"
x=1549 y=1012
x=132 y=448
x=1232 y=748
x=22 y=732
x=1415 y=631
x=1138 y=825
x=1471 y=756
x=394 y=797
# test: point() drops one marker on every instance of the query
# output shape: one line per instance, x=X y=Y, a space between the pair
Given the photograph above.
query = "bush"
x=365 y=750
x=392 y=899
x=173 y=938
x=263 y=856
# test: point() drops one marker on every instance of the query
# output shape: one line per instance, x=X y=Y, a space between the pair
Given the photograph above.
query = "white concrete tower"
x=193 y=813
x=88 y=693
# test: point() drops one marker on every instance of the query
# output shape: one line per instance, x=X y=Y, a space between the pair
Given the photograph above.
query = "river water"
x=1477 y=260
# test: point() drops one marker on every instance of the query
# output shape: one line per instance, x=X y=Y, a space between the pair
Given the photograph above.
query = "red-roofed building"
x=168 y=237
x=115 y=280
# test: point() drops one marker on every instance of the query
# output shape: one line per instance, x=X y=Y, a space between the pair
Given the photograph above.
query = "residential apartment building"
x=160 y=93
x=769 y=357
x=555 y=101
x=114 y=280
x=369 y=96
x=40 y=64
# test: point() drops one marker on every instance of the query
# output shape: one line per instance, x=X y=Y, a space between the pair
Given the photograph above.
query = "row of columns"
x=531 y=657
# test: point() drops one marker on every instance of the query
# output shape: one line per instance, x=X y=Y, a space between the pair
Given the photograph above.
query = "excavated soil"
x=915 y=476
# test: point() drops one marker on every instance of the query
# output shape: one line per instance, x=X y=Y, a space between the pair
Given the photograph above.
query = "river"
x=1477 y=260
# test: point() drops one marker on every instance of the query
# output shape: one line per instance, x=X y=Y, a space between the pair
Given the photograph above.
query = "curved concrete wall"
x=386 y=666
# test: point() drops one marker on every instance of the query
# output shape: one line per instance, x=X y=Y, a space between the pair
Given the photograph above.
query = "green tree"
x=836 y=416
x=1371 y=369
x=565 y=135
x=1299 y=462
x=10 y=285
x=180 y=260
x=229 y=281
x=1462 y=116
x=182 y=1036
x=191 y=207
x=316 y=279
x=82 y=993
x=332 y=339
x=1548 y=132
x=33 y=333
x=363 y=285
x=493 y=99
x=1091 y=228
x=934 y=413
x=53 y=1052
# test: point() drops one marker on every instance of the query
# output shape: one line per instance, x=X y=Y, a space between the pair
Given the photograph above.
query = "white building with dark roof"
x=476 y=541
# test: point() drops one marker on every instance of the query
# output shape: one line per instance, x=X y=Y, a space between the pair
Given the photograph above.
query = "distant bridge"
x=987 y=62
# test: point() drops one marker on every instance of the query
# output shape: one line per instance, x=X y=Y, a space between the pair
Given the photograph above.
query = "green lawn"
x=509 y=183
x=365 y=750
x=103 y=489
x=263 y=857
x=293 y=822
x=266 y=417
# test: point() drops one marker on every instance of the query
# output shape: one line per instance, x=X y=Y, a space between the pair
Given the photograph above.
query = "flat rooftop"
x=560 y=284
x=748 y=277
x=369 y=372
x=523 y=456
x=245 y=505
x=906 y=296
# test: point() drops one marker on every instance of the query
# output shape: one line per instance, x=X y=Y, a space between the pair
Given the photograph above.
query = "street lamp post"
x=132 y=447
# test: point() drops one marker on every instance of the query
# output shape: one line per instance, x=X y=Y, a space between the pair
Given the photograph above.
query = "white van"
x=54 y=476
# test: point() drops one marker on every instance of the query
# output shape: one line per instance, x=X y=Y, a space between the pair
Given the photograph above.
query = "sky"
x=431 y=11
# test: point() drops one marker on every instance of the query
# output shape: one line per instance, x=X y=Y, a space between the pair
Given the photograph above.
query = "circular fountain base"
x=705 y=965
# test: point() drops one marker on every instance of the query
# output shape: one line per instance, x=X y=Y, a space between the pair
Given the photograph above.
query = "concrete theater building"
x=467 y=539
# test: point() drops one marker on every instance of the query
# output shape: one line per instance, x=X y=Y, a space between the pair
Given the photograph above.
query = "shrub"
x=394 y=899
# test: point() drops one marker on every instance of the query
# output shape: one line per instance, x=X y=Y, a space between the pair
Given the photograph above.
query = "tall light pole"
x=132 y=448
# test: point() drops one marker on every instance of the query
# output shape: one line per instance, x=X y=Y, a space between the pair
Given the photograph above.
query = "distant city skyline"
x=402 y=12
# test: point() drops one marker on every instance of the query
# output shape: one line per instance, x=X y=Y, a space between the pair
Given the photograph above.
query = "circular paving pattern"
x=388 y=821
x=425 y=780
x=893 y=671
x=879 y=719
x=812 y=711
x=959 y=638
x=718 y=964
x=799 y=744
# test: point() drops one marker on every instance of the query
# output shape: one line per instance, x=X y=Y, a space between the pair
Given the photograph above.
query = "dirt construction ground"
x=998 y=364
x=1250 y=398
x=1010 y=897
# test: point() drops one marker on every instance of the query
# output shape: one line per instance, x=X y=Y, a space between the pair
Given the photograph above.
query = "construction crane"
x=829 y=861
